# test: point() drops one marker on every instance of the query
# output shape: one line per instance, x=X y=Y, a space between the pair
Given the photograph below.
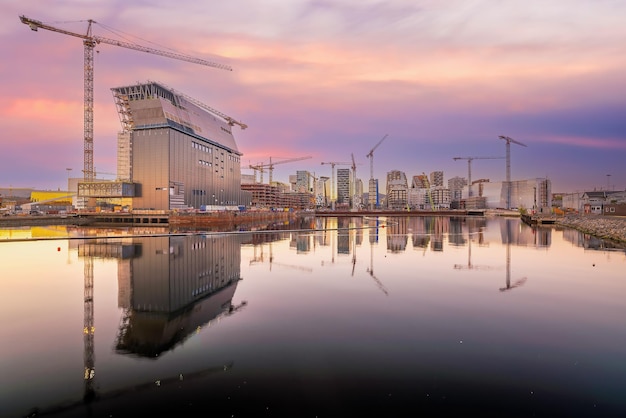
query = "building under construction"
x=175 y=151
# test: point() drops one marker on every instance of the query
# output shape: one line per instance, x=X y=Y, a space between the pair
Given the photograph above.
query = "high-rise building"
x=436 y=178
x=343 y=185
x=456 y=185
x=303 y=181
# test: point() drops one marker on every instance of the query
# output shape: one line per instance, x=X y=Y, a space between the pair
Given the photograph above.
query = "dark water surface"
x=419 y=316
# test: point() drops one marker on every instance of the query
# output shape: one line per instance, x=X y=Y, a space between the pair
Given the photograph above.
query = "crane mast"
x=373 y=185
x=370 y=155
x=353 y=191
x=469 y=169
x=89 y=42
x=333 y=195
x=508 y=166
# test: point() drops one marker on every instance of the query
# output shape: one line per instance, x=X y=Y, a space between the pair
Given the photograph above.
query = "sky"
x=329 y=79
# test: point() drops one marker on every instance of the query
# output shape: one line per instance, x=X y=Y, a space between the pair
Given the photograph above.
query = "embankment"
x=612 y=228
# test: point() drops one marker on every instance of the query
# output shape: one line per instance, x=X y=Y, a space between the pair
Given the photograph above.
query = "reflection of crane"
x=508 y=167
x=90 y=41
x=308 y=269
x=353 y=184
x=370 y=270
x=271 y=165
x=333 y=194
x=469 y=169
x=373 y=185
x=509 y=286
x=469 y=265
x=88 y=331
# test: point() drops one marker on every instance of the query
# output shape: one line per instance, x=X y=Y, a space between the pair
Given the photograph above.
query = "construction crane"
x=373 y=190
x=430 y=195
x=270 y=166
x=324 y=179
x=469 y=169
x=216 y=112
x=370 y=270
x=90 y=41
x=333 y=194
x=508 y=166
x=353 y=188
x=256 y=168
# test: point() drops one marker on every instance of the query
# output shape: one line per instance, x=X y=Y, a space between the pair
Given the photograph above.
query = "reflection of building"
x=177 y=284
x=397 y=234
x=343 y=235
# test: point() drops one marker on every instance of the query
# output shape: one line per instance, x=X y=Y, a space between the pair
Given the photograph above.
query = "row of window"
x=201 y=147
x=207 y=149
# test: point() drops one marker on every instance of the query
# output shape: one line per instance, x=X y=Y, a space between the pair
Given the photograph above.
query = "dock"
x=539 y=219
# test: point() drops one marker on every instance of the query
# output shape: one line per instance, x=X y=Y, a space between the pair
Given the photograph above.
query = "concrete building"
x=372 y=195
x=397 y=190
x=436 y=179
x=533 y=195
x=175 y=151
x=358 y=193
x=343 y=186
x=456 y=185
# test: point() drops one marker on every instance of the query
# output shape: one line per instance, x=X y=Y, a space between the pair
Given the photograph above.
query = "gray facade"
x=180 y=155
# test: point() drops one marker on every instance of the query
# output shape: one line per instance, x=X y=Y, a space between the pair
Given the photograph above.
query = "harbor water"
x=329 y=317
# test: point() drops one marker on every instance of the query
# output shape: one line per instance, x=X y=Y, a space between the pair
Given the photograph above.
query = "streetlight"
x=608 y=176
x=68 y=178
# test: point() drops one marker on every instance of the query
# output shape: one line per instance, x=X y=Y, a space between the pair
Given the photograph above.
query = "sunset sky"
x=329 y=79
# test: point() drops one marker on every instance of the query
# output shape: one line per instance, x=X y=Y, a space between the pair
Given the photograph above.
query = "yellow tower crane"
x=90 y=41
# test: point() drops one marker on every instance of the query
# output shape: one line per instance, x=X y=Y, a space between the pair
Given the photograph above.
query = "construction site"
x=177 y=155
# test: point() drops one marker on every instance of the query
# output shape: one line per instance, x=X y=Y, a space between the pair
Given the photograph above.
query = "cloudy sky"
x=328 y=79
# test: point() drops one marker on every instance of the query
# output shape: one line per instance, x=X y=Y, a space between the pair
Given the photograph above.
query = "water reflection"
x=377 y=313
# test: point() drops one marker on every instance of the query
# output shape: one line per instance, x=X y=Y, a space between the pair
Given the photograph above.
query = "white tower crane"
x=333 y=194
x=355 y=201
x=270 y=166
x=90 y=41
x=373 y=187
x=469 y=169
x=508 y=166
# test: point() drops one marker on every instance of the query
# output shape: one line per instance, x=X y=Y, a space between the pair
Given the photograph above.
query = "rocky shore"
x=612 y=228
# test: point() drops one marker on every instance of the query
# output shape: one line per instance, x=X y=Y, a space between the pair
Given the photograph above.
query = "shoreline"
x=609 y=228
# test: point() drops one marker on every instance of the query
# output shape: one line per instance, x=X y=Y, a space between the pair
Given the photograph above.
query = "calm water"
x=376 y=317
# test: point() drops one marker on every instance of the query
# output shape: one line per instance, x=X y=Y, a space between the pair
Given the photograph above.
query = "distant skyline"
x=329 y=79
